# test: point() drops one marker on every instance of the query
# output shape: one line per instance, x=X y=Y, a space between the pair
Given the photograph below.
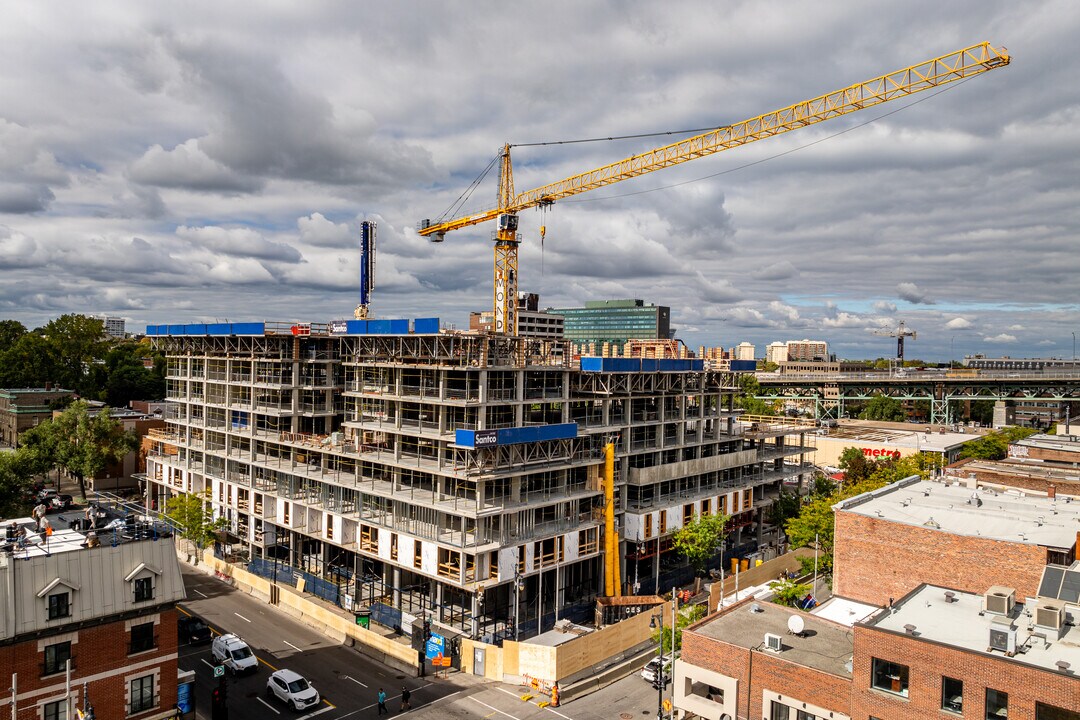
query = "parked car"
x=292 y=689
x=59 y=503
x=193 y=630
x=651 y=669
x=232 y=652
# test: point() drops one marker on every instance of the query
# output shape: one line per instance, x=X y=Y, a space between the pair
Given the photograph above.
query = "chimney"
x=1051 y=491
x=48 y=385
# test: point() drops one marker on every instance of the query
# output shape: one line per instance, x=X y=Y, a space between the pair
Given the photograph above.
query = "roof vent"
x=950 y=596
x=909 y=629
x=755 y=608
x=931 y=523
x=926 y=492
x=1062 y=666
x=999 y=600
x=975 y=500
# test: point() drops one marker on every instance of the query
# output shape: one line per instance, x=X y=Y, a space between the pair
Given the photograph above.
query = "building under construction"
x=454 y=476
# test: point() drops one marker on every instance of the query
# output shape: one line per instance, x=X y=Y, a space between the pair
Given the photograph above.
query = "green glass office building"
x=615 y=321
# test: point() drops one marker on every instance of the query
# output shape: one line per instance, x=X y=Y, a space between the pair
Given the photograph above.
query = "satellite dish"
x=795 y=625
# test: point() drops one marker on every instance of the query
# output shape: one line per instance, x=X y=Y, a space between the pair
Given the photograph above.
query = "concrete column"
x=397 y=587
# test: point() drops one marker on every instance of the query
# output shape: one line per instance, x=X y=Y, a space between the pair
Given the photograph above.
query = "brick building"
x=727 y=669
x=936 y=653
x=945 y=653
x=963 y=536
x=24 y=408
x=109 y=609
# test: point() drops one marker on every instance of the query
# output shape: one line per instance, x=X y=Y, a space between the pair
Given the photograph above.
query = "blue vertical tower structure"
x=367 y=267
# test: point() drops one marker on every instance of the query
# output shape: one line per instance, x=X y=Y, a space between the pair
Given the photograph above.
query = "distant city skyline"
x=200 y=161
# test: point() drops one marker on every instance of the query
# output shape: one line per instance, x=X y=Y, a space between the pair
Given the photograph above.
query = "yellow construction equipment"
x=930 y=74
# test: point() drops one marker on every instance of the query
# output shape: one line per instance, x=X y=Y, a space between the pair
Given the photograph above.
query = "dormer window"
x=142 y=581
x=59 y=605
x=144 y=589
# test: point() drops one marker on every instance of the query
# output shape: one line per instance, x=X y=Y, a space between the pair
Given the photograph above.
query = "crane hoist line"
x=958 y=65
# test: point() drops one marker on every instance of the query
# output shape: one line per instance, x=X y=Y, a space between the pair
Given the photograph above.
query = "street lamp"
x=660 y=670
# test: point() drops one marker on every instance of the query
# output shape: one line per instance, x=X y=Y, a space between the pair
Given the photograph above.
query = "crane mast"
x=939 y=71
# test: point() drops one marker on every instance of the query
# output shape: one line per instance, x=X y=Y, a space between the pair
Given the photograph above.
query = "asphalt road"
x=348 y=681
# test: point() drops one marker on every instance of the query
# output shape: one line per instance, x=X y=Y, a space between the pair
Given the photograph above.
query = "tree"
x=85 y=444
x=994 y=445
x=786 y=506
x=15 y=483
x=856 y=466
x=31 y=361
x=686 y=615
x=10 y=332
x=78 y=341
x=700 y=539
x=789 y=592
x=194 y=522
x=748 y=388
x=884 y=408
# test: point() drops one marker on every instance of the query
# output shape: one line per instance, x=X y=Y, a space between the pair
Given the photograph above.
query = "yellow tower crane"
x=930 y=74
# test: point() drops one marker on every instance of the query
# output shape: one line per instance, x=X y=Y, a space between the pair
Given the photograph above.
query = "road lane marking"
x=208 y=664
x=328 y=708
x=348 y=677
x=293 y=646
x=557 y=713
x=194 y=590
x=276 y=711
x=241 y=617
x=266 y=663
x=490 y=707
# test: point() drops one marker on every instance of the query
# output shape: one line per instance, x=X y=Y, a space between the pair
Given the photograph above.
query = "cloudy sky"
x=180 y=162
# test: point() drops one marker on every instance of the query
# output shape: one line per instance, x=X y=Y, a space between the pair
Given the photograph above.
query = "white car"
x=652 y=668
x=232 y=652
x=292 y=689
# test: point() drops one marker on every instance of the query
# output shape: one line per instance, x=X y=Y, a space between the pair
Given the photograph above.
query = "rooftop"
x=1012 y=516
x=963 y=624
x=844 y=611
x=918 y=440
x=111 y=530
x=1061 y=443
x=822 y=645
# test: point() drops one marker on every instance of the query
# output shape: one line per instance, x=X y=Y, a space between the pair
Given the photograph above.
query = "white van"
x=232 y=652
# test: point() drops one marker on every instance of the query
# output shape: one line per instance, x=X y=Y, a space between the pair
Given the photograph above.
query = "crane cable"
x=467 y=193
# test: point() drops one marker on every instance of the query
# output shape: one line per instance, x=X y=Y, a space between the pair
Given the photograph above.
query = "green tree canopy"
x=994 y=445
x=884 y=408
x=15 y=480
x=700 y=539
x=748 y=388
x=84 y=444
x=686 y=615
x=193 y=520
x=78 y=340
x=10 y=332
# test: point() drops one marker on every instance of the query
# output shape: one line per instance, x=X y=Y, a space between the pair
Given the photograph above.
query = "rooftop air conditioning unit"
x=1050 y=615
x=773 y=643
x=999 y=600
x=1003 y=638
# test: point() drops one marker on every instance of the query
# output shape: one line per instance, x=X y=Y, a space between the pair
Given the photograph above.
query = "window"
x=706 y=507
x=803 y=715
x=648 y=526
x=58 y=606
x=952 y=694
x=1049 y=712
x=663 y=521
x=997 y=704
x=144 y=589
x=142 y=694
x=779 y=711
x=418 y=557
x=56 y=657
x=890 y=677
x=393 y=547
x=54 y=710
x=142 y=637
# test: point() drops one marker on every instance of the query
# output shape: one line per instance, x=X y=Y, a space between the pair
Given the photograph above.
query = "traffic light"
x=218 y=709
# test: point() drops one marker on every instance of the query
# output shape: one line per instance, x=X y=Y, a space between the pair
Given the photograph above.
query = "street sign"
x=219 y=671
x=435 y=646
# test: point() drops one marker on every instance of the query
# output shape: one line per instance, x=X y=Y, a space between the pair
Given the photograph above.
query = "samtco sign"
x=485 y=438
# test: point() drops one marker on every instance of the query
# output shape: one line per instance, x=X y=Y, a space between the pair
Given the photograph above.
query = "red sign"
x=881 y=452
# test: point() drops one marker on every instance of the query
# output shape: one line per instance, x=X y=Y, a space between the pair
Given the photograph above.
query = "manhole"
x=626 y=716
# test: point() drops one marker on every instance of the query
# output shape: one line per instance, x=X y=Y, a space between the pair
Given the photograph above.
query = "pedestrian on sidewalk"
x=382 y=702
x=405 y=694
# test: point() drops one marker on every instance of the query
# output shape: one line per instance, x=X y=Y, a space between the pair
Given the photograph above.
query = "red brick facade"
x=876 y=559
x=770 y=672
x=927 y=662
x=100 y=658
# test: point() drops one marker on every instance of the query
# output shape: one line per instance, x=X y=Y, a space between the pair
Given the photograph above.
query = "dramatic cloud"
x=217 y=162
x=913 y=294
